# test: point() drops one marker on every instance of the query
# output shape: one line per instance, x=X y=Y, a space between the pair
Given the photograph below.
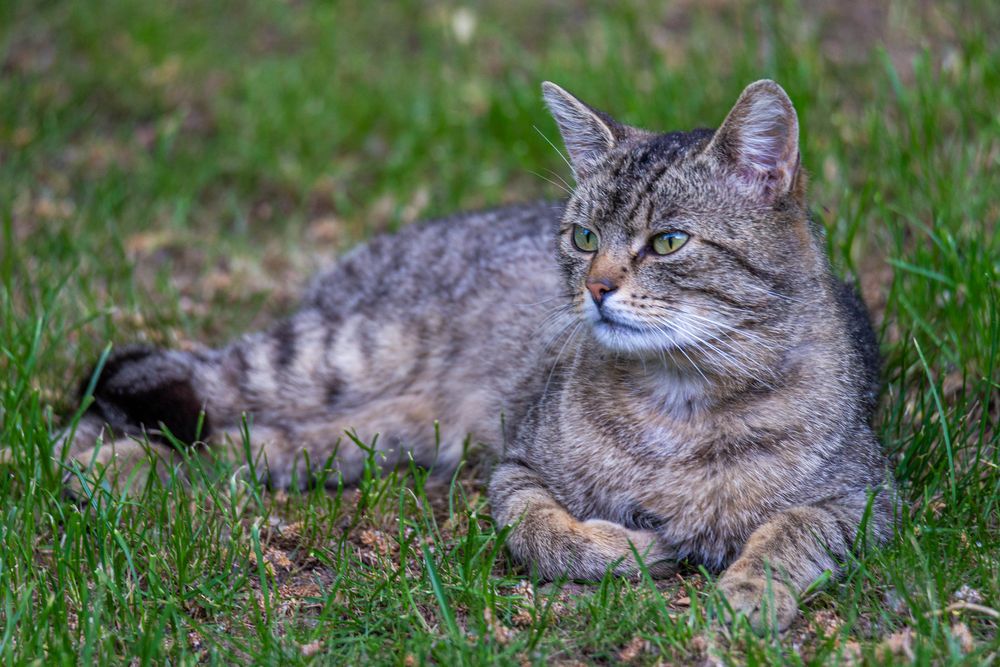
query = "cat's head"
x=688 y=242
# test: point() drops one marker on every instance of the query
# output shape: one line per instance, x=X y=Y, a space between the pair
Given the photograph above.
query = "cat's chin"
x=635 y=341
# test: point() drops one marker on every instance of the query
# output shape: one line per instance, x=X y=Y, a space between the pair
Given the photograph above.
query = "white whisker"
x=770 y=292
x=549 y=180
x=554 y=147
x=555 y=363
x=551 y=298
x=742 y=361
x=561 y=179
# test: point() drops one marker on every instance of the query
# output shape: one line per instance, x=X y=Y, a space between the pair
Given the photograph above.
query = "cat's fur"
x=714 y=406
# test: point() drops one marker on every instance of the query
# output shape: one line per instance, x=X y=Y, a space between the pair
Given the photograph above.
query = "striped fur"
x=714 y=406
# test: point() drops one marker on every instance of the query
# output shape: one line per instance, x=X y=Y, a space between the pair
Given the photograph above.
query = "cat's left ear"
x=759 y=142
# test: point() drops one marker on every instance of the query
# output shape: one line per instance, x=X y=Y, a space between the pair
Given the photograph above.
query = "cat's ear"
x=587 y=133
x=759 y=142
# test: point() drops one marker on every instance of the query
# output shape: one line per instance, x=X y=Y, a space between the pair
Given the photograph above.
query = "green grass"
x=173 y=172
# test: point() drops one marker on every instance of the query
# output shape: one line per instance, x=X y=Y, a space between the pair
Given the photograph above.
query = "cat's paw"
x=655 y=558
x=767 y=604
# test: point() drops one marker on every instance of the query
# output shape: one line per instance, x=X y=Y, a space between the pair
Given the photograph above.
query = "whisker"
x=554 y=316
x=723 y=329
x=664 y=330
x=750 y=335
x=549 y=180
x=770 y=292
x=551 y=340
x=561 y=179
x=554 y=147
x=750 y=316
x=551 y=298
x=742 y=361
x=555 y=364
x=691 y=361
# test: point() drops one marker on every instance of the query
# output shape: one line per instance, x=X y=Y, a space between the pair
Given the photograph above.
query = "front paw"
x=767 y=604
x=658 y=561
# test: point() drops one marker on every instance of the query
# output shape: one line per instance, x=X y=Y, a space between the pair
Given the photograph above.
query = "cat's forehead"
x=644 y=181
x=672 y=146
x=636 y=160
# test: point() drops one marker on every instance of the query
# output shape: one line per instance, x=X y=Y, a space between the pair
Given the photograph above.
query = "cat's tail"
x=306 y=397
x=138 y=400
x=172 y=396
x=140 y=389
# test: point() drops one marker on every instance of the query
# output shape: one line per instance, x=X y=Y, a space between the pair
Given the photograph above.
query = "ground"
x=173 y=172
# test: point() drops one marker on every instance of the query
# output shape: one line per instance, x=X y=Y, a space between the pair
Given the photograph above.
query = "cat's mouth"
x=623 y=336
x=618 y=331
x=619 y=326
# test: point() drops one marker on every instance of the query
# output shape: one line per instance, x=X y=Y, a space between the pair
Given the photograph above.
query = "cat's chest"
x=607 y=466
x=659 y=473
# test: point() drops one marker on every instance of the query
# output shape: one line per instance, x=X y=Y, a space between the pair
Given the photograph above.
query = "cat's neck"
x=675 y=384
x=675 y=389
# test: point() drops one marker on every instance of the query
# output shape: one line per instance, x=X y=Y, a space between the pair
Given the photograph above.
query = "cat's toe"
x=767 y=604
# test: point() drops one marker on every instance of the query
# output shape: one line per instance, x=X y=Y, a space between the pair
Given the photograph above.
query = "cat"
x=664 y=365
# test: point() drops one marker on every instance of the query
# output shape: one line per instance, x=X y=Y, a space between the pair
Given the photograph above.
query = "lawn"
x=173 y=172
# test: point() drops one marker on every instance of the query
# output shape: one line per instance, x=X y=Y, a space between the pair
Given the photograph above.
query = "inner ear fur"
x=758 y=143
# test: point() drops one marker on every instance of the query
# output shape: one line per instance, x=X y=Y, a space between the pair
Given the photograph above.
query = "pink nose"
x=598 y=287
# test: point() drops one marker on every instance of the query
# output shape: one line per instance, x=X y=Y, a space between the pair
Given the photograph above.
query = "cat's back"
x=444 y=263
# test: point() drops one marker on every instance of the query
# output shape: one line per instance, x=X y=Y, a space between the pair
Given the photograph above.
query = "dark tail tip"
x=144 y=390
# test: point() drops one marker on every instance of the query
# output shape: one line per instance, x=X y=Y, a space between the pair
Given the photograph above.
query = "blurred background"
x=224 y=149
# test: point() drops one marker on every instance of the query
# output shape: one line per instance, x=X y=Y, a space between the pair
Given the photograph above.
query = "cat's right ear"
x=587 y=133
x=759 y=142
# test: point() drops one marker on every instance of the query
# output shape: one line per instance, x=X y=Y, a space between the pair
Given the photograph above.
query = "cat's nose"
x=599 y=287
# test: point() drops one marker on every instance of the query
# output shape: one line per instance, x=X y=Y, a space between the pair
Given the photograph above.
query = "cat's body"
x=435 y=323
x=677 y=369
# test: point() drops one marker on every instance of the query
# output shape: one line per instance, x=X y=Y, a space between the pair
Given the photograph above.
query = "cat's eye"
x=668 y=242
x=584 y=239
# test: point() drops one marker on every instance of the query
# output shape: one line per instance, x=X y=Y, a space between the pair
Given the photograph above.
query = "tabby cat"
x=664 y=365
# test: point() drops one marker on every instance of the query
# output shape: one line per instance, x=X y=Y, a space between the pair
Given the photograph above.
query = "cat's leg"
x=787 y=554
x=547 y=538
x=298 y=453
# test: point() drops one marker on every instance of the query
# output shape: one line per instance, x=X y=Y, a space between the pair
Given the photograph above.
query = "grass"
x=173 y=172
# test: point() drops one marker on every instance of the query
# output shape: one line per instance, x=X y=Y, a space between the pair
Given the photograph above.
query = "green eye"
x=584 y=239
x=664 y=244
